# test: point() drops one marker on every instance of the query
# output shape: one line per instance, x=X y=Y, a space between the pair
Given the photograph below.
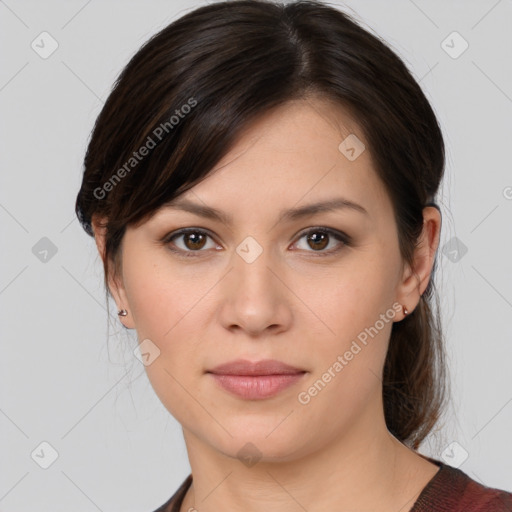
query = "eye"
x=192 y=239
x=319 y=238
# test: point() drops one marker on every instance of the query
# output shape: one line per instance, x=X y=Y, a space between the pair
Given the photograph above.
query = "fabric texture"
x=449 y=490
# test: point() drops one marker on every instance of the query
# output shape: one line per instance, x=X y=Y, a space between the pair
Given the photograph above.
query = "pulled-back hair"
x=191 y=90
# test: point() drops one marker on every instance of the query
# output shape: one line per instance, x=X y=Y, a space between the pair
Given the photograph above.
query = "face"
x=318 y=291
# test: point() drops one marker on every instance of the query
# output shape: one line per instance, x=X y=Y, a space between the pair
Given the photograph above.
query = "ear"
x=115 y=281
x=417 y=277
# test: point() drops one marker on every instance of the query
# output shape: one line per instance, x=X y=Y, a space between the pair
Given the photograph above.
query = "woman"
x=261 y=187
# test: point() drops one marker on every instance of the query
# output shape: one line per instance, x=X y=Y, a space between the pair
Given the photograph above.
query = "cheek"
x=356 y=313
x=347 y=379
x=168 y=306
x=164 y=312
x=160 y=297
x=347 y=299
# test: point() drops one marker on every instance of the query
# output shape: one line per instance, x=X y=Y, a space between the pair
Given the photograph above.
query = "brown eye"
x=189 y=241
x=194 y=241
x=317 y=239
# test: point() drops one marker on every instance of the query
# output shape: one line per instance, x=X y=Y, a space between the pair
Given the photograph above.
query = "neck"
x=364 y=468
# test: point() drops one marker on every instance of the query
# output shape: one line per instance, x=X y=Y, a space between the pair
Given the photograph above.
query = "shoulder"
x=173 y=504
x=480 y=498
x=453 y=490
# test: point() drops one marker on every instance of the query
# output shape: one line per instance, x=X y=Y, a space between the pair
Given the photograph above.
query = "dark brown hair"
x=193 y=87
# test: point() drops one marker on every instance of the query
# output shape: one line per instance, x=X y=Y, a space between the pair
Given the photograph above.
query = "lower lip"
x=256 y=387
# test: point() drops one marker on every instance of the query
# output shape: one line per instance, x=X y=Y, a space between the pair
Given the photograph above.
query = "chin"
x=264 y=439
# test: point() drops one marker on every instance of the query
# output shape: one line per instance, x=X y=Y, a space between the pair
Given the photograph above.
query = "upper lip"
x=263 y=367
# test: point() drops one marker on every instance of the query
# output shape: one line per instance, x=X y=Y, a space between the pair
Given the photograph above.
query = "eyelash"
x=338 y=235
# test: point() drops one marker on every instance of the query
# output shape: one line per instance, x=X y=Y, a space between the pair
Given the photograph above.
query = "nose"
x=255 y=298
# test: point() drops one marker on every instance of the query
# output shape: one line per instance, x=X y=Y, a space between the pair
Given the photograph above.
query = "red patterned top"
x=449 y=490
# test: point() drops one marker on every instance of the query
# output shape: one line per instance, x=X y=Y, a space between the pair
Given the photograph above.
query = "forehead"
x=293 y=156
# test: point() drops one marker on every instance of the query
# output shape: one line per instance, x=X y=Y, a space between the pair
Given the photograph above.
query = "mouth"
x=256 y=380
x=257 y=368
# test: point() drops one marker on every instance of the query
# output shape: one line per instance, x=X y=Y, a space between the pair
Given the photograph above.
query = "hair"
x=205 y=77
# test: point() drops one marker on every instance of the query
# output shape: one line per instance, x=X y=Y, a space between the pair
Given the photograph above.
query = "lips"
x=264 y=367
x=258 y=380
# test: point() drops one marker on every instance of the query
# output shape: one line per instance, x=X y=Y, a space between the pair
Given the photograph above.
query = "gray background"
x=63 y=383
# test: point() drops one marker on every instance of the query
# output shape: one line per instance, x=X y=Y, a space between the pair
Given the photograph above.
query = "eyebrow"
x=292 y=214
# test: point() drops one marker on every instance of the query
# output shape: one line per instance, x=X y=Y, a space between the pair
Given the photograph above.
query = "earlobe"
x=115 y=286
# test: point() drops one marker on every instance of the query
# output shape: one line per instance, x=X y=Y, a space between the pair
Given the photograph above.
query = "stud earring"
x=122 y=312
x=405 y=311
